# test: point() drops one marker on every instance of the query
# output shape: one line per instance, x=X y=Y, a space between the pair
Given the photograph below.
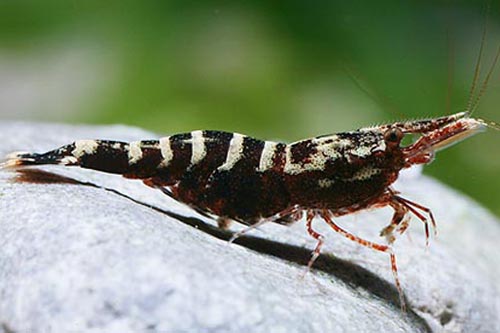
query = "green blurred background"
x=275 y=70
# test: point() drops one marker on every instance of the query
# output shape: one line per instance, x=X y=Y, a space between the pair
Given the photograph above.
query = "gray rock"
x=95 y=252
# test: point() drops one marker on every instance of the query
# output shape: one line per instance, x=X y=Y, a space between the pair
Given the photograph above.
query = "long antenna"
x=380 y=99
x=494 y=125
x=485 y=82
x=451 y=62
x=477 y=69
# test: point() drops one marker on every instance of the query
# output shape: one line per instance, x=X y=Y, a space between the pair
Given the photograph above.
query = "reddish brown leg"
x=413 y=206
x=287 y=212
x=422 y=208
x=392 y=198
x=247 y=229
x=404 y=225
x=317 y=250
x=326 y=215
x=400 y=213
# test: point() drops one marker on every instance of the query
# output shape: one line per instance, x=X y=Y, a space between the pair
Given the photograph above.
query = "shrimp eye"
x=393 y=136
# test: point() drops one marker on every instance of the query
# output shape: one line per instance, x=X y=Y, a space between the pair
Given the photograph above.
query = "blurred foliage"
x=274 y=70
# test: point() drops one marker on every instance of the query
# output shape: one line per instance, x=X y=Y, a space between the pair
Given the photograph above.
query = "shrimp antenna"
x=451 y=62
x=477 y=69
x=491 y=124
x=484 y=86
x=379 y=99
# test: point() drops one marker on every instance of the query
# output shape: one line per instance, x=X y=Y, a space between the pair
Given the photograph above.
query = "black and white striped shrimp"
x=231 y=176
x=235 y=177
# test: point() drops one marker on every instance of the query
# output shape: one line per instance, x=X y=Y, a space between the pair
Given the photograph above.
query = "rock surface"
x=94 y=252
